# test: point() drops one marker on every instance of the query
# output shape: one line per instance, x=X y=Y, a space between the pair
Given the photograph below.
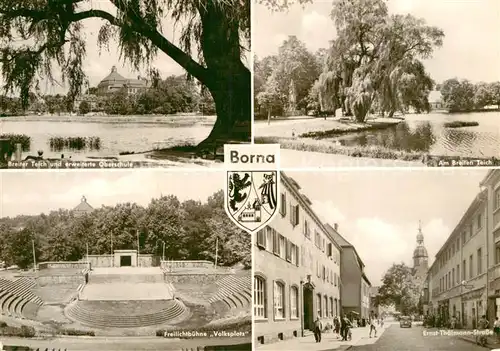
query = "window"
x=335 y=278
x=294 y=297
x=307 y=230
x=283 y=204
x=318 y=305
x=325 y=309
x=331 y=307
x=331 y=277
x=316 y=239
x=323 y=245
x=464 y=238
x=318 y=270
x=294 y=214
x=329 y=250
x=269 y=238
x=276 y=246
x=327 y=275
x=471 y=263
x=479 y=221
x=282 y=247
x=479 y=262
x=497 y=255
x=261 y=238
x=336 y=307
x=471 y=230
x=458 y=274
x=279 y=300
x=289 y=251
x=294 y=255
x=497 y=199
x=464 y=270
x=259 y=297
x=323 y=273
x=453 y=277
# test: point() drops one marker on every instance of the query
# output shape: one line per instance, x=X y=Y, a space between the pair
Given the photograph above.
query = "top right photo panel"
x=378 y=83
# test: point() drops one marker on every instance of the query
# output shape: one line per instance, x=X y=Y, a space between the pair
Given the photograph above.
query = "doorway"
x=308 y=309
x=125 y=261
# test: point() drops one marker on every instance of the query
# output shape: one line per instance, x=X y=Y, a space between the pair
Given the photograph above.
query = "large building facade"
x=491 y=184
x=114 y=82
x=354 y=284
x=457 y=278
x=297 y=269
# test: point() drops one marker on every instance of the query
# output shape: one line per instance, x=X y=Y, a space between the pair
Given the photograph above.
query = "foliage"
x=189 y=230
x=400 y=287
x=293 y=68
x=39 y=37
x=464 y=96
x=23 y=331
x=22 y=139
x=75 y=143
x=375 y=57
x=84 y=108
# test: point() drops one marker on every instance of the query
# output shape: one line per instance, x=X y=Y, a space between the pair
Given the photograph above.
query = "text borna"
x=235 y=157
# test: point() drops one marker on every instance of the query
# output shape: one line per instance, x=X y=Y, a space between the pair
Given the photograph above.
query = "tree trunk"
x=228 y=79
x=391 y=114
x=269 y=116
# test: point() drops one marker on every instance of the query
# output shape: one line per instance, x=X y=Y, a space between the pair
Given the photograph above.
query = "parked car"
x=404 y=322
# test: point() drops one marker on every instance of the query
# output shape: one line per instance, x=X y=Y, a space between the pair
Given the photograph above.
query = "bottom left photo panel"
x=122 y=260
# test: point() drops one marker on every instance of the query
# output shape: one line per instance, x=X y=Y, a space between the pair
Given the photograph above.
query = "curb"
x=488 y=345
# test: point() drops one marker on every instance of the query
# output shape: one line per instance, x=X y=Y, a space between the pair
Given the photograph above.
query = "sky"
x=97 y=65
x=471 y=49
x=379 y=211
x=33 y=193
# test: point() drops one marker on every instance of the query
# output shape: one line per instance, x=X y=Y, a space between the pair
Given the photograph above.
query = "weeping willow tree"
x=38 y=37
x=373 y=57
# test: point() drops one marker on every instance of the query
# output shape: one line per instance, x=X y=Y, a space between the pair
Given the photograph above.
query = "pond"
x=80 y=137
x=427 y=133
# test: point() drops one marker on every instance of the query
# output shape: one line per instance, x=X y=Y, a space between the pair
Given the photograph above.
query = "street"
x=412 y=339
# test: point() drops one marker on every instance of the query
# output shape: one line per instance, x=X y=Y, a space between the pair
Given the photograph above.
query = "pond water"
x=427 y=133
x=119 y=134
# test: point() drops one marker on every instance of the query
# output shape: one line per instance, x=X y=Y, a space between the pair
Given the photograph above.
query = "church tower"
x=420 y=256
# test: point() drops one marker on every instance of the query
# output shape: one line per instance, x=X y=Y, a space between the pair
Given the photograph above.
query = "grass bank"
x=352 y=129
x=461 y=124
x=311 y=145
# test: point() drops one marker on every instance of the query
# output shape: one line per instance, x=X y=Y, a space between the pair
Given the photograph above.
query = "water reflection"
x=430 y=137
x=397 y=137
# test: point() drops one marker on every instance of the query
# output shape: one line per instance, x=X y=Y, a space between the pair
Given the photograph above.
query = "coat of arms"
x=251 y=198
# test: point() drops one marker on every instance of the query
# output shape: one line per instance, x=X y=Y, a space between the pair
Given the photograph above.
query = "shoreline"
x=188 y=119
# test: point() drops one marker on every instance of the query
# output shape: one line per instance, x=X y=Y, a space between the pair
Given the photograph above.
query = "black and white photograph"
x=378 y=82
x=122 y=260
x=381 y=260
x=158 y=83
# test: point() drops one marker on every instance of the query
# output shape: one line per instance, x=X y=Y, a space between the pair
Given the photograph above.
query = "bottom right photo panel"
x=389 y=260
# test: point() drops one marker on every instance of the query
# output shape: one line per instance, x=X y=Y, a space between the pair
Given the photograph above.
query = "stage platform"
x=126 y=292
x=127 y=275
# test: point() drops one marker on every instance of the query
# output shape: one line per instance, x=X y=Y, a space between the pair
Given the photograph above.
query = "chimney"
x=336 y=227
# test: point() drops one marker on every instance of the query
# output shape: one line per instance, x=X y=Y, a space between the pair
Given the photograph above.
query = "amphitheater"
x=125 y=294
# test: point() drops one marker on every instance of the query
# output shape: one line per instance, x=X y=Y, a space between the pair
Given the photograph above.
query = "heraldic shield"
x=252 y=198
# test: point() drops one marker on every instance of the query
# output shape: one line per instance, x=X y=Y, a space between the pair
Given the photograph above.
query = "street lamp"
x=34 y=256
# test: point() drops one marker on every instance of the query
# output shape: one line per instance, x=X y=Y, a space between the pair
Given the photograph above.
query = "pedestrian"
x=453 y=322
x=372 y=328
x=381 y=322
x=496 y=329
x=347 y=328
x=317 y=330
x=336 y=324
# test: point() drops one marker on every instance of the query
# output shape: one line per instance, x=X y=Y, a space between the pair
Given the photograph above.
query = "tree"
x=52 y=32
x=84 y=108
x=458 y=95
x=271 y=99
x=294 y=63
x=372 y=55
x=400 y=287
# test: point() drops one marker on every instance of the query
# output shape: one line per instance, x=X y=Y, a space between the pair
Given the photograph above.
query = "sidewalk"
x=491 y=341
x=328 y=341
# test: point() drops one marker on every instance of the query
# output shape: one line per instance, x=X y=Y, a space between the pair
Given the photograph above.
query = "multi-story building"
x=114 y=82
x=354 y=284
x=492 y=221
x=458 y=275
x=297 y=269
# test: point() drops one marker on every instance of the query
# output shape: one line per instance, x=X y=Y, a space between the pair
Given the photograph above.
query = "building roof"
x=114 y=76
x=83 y=207
x=420 y=251
x=435 y=96
x=344 y=243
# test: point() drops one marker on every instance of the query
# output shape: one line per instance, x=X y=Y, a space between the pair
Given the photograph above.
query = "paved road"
x=412 y=339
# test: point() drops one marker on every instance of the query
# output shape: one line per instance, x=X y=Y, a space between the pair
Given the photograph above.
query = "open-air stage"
x=126 y=283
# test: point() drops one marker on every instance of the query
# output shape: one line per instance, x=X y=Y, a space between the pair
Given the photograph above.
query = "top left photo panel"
x=123 y=83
